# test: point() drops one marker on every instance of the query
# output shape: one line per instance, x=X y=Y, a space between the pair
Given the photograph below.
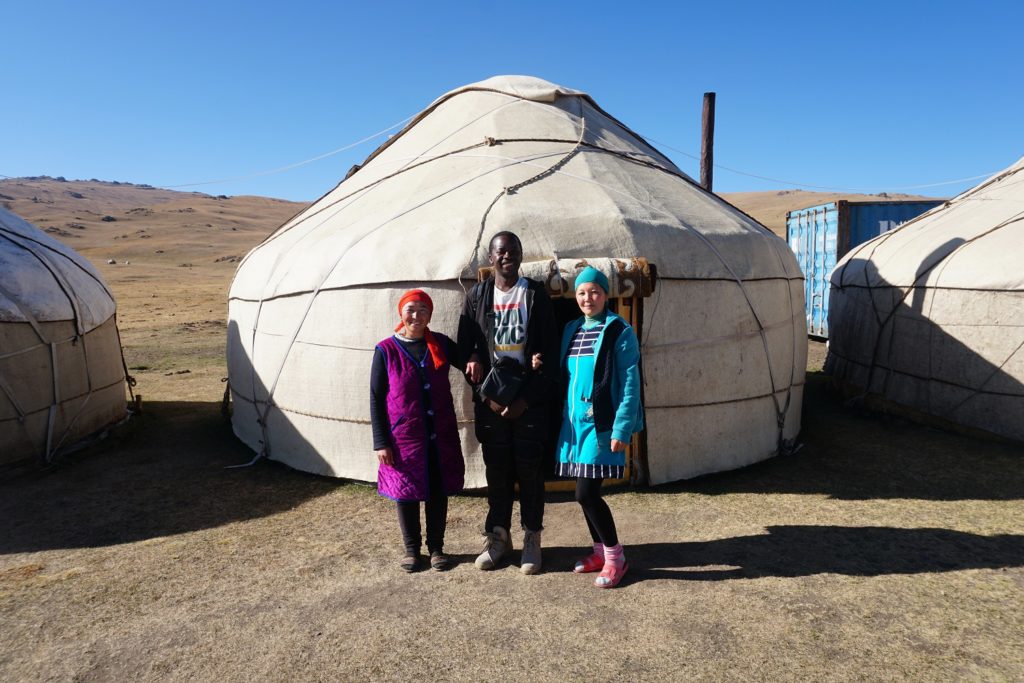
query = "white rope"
x=289 y=167
x=822 y=187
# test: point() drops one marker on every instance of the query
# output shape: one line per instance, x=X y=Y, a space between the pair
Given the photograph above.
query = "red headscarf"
x=433 y=346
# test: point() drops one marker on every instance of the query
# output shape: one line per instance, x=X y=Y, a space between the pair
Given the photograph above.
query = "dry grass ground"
x=881 y=550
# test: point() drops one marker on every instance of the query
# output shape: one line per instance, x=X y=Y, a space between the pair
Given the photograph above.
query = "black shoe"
x=410 y=563
x=439 y=561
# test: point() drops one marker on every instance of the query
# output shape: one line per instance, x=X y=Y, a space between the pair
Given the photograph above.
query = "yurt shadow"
x=164 y=473
x=927 y=320
x=850 y=453
x=805 y=550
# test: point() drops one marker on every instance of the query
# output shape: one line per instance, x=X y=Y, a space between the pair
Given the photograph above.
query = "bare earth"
x=881 y=550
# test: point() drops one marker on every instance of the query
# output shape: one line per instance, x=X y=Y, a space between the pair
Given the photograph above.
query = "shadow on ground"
x=790 y=551
x=853 y=454
x=162 y=473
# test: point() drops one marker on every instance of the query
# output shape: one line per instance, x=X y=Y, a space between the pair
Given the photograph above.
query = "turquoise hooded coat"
x=602 y=395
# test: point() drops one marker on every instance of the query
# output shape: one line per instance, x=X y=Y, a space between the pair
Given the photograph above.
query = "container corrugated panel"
x=820 y=236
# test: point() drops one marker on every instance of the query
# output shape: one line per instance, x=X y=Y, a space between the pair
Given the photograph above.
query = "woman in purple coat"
x=415 y=433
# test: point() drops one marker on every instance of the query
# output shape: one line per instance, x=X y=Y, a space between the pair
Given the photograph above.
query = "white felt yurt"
x=930 y=317
x=62 y=377
x=722 y=331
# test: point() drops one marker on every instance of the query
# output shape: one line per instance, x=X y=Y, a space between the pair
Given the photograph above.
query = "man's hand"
x=474 y=371
x=618 y=446
x=386 y=457
x=496 y=407
x=515 y=410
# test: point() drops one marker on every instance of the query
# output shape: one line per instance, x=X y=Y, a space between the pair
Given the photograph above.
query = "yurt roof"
x=44 y=280
x=517 y=153
x=973 y=241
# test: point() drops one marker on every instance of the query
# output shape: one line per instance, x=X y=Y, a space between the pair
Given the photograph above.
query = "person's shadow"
x=791 y=551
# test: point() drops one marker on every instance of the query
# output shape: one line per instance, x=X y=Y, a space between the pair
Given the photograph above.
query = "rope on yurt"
x=513 y=189
x=883 y=323
x=980 y=388
x=128 y=379
x=9 y=393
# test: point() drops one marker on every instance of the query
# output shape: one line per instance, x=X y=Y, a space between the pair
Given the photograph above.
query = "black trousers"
x=513 y=452
x=436 y=512
x=596 y=512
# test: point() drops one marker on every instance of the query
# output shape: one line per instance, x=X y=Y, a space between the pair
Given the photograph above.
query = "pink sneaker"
x=611 y=575
x=590 y=563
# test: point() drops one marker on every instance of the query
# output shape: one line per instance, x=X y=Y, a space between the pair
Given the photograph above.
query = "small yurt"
x=62 y=377
x=716 y=298
x=928 y=319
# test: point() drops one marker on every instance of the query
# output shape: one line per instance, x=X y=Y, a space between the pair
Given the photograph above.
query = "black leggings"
x=409 y=523
x=596 y=512
x=437 y=513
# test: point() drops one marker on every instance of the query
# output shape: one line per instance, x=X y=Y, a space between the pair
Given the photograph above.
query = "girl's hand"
x=386 y=457
x=536 y=362
x=618 y=446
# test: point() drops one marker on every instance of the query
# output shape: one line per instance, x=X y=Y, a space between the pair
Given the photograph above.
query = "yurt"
x=715 y=297
x=62 y=377
x=928 y=319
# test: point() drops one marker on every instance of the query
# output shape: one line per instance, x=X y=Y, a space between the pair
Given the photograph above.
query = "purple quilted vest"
x=408 y=383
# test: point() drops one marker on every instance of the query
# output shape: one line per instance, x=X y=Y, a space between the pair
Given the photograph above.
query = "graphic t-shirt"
x=510 y=322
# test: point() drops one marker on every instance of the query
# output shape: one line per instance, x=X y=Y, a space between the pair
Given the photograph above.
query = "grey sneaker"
x=497 y=545
x=531 y=552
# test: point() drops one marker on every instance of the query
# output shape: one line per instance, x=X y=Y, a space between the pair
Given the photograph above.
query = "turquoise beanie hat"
x=592 y=274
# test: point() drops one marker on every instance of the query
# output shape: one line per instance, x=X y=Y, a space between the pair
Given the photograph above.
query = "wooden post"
x=707 y=141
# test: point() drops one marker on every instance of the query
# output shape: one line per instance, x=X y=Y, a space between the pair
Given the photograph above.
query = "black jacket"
x=542 y=336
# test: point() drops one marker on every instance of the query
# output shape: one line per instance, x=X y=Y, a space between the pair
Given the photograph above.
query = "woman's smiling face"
x=591 y=298
x=415 y=318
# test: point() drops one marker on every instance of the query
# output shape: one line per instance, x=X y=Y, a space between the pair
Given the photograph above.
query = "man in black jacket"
x=511 y=316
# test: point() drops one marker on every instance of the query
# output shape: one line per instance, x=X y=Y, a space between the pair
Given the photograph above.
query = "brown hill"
x=770 y=207
x=174 y=256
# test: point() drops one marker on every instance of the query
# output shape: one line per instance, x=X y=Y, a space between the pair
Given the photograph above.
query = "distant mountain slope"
x=110 y=219
x=770 y=207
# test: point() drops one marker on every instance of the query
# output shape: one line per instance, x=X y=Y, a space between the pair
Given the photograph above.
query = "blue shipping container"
x=821 y=235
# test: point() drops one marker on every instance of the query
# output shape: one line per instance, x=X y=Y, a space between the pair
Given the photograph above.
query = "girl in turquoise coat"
x=600 y=368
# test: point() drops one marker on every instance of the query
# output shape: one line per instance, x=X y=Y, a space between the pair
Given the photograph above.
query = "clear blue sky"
x=877 y=96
